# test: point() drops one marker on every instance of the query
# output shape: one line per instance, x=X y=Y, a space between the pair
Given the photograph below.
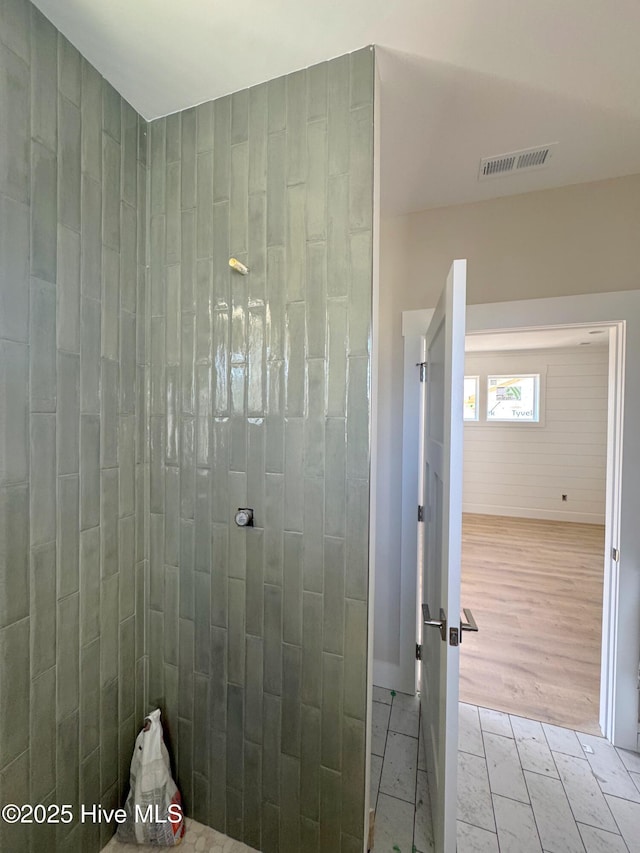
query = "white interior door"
x=442 y=485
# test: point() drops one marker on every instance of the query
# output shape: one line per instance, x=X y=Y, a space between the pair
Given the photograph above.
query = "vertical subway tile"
x=174 y=133
x=221 y=144
x=272 y=715
x=90 y=356
x=43 y=479
x=296 y=241
x=43 y=347
x=355 y=659
x=204 y=125
x=14 y=25
x=157 y=170
x=14 y=269
x=360 y=164
x=313 y=554
x=276 y=189
x=357 y=539
x=316 y=203
x=292 y=589
x=188 y=160
x=185 y=668
x=272 y=639
x=310 y=763
x=14 y=690
x=290 y=805
x=14 y=423
x=14 y=554
x=254 y=604
x=129 y=138
x=128 y=266
x=109 y=417
x=127 y=666
x=14 y=134
x=68 y=290
x=338 y=257
x=157 y=267
x=330 y=810
x=111 y=111
x=353 y=783
x=258 y=101
x=293 y=482
x=254 y=690
x=171 y=614
x=296 y=84
x=291 y=678
x=217 y=787
x=295 y=332
x=317 y=92
x=68 y=413
x=156 y=561
x=361 y=77
x=110 y=304
x=172 y=517
x=109 y=735
x=358 y=418
x=126 y=457
x=236 y=629
x=109 y=606
x=110 y=193
x=332 y=680
x=44 y=80
x=201 y=726
x=218 y=680
x=252 y=801
x=219 y=581
x=42 y=738
x=68 y=655
x=335 y=483
x=91 y=121
x=89 y=471
x=127 y=564
x=360 y=294
x=221 y=252
x=91 y=238
x=90 y=589
x=314 y=424
x=43 y=608
x=334 y=571
x=202 y=592
x=69 y=153
x=312 y=618
x=187 y=600
x=338 y=115
x=68 y=535
x=238 y=208
x=240 y=116
x=315 y=297
x=235 y=740
x=204 y=210
x=68 y=761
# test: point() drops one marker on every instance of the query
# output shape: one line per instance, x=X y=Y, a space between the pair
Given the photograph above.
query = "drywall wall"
x=523 y=469
x=72 y=244
x=577 y=239
x=260 y=398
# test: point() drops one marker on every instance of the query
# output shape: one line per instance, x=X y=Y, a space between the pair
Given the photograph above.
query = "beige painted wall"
x=573 y=240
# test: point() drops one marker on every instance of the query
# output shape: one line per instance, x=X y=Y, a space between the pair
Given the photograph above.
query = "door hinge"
x=615 y=555
x=423 y=370
x=420 y=513
x=418 y=651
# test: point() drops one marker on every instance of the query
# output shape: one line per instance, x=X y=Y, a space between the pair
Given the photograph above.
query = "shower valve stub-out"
x=238 y=266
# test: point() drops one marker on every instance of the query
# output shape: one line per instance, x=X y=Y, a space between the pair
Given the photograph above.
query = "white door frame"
x=621 y=598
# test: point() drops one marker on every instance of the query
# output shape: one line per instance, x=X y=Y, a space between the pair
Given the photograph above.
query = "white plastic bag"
x=154 y=805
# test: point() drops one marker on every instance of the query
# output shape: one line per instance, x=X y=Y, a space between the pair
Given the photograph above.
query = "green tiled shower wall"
x=260 y=398
x=146 y=392
x=73 y=181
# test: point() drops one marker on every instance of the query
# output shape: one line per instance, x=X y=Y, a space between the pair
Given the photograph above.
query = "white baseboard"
x=542 y=514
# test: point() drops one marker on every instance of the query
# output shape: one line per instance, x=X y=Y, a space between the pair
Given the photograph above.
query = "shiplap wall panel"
x=523 y=470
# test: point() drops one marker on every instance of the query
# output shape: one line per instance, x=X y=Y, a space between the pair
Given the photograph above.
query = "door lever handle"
x=440 y=623
x=470 y=624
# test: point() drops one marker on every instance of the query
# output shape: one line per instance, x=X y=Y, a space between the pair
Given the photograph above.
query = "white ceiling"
x=460 y=79
x=528 y=339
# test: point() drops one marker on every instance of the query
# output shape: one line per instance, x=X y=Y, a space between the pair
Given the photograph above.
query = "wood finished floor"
x=535 y=589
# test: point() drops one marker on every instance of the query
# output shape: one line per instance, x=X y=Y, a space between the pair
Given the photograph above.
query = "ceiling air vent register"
x=527 y=160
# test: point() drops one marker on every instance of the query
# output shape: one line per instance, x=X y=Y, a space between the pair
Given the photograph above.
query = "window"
x=513 y=398
x=471 y=387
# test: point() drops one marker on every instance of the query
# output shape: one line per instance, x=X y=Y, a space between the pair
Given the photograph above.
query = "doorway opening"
x=534 y=512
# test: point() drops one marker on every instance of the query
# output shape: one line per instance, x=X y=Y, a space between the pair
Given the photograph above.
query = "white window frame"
x=536 y=399
x=476 y=419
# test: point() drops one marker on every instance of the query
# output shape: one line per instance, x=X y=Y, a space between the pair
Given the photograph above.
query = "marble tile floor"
x=197 y=838
x=523 y=786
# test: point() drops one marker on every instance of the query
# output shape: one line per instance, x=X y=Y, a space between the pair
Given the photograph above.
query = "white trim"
x=621 y=605
x=373 y=436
